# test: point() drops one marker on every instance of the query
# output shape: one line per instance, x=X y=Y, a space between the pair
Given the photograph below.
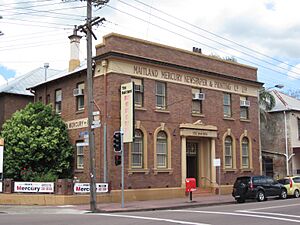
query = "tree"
x=36 y=145
x=266 y=102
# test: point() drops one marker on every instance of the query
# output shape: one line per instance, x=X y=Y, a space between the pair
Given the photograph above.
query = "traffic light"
x=117 y=141
x=118 y=160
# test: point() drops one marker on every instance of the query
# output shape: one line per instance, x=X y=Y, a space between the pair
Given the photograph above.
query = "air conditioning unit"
x=245 y=103
x=138 y=88
x=198 y=96
x=77 y=92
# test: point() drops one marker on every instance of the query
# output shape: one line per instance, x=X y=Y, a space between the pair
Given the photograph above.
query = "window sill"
x=162 y=111
x=140 y=108
x=247 y=170
x=167 y=170
x=229 y=118
x=78 y=171
x=132 y=171
x=230 y=170
x=198 y=114
x=245 y=120
x=79 y=111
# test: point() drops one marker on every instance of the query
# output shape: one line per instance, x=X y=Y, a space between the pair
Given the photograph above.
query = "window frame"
x=244 y=109
x=140 y=153
x=80 y=97
x=57 y=104
x=138 y=93
x=227 y=106
x=79 y=155
x=247 y=156
x=231 y=152
x=162 y=95
x=199 y=103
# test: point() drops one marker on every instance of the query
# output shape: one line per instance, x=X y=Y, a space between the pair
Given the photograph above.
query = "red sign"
x=190 y=184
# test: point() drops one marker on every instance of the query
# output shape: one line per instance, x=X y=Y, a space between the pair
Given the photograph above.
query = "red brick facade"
x=121 y=55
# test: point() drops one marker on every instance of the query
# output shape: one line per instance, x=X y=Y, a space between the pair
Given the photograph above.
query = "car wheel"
x=240 y=200
x=296 y=194
x=260 y=196
x=283 y=194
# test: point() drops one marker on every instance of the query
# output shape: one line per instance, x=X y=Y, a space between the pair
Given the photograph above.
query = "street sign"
x=127 y=111
x=217 y=162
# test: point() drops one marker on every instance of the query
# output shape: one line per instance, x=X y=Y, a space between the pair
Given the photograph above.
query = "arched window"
x=161 y=150
x=138 y=150
x=245 y=152
x=228 y=152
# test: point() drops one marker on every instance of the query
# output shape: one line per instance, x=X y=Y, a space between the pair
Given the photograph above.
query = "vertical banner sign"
x=127 y=111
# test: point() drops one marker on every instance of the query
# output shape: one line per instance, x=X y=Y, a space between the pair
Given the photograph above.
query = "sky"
x=260 y=33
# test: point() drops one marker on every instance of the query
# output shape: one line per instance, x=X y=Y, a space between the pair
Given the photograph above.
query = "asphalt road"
x=274 y=212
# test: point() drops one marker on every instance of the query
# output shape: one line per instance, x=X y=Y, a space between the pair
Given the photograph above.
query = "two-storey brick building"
x=190 y=109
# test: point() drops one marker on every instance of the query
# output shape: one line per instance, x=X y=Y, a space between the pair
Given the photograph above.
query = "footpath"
x=132 y=206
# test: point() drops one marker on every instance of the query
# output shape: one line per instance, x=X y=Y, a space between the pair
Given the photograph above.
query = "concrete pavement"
x=175 y=203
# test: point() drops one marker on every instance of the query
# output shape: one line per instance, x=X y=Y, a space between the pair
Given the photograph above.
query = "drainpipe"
x=286 y=145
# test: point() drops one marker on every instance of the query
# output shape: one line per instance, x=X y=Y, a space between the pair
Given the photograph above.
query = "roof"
x=61 y=74
x=21 y=83
x=284 y=102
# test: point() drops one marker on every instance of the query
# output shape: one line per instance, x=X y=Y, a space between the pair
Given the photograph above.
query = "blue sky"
x=261 y=33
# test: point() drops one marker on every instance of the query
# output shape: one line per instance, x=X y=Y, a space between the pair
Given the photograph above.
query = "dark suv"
x=257 y=187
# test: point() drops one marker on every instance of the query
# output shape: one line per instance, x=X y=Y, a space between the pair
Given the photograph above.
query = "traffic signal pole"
x=122 y=158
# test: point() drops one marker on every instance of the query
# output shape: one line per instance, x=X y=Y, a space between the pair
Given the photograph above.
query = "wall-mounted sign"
x=217 y=162
x=127 y=111
x=85 y=187
x=34 y=187
x=76 y=124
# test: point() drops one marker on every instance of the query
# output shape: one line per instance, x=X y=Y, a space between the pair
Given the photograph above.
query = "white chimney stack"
x=74 y=50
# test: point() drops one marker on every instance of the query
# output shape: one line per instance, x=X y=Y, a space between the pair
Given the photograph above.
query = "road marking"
x=274 y=207
x=268 y=213
x=150 y=218
x=238 y=214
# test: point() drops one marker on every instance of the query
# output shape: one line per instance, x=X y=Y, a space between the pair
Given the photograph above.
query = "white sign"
x=217 y=162
x=1 y=159
x=1 y=190
x=85 y=187
x=34 y=187
x=76 y=124
x=127 y=111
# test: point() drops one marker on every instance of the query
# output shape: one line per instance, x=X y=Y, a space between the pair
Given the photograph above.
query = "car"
x=257 y=187
x=292 y=185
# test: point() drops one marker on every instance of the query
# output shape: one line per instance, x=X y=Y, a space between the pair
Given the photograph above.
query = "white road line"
x=267 y=213
x=150 y=218
x=238 y=214
x=274 y=207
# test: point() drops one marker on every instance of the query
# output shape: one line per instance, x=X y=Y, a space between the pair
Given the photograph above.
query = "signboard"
x=127 y=111
x=85 y=187
x=76 y=124
x=1 y=159
x=217 y=162
x=34 y=187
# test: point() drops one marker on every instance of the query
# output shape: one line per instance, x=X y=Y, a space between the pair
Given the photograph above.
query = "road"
x=273 y=212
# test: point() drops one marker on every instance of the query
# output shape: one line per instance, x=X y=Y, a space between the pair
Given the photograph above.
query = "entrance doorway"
x=192 y=160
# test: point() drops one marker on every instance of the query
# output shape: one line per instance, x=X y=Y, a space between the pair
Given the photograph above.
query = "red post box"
x=190 y=184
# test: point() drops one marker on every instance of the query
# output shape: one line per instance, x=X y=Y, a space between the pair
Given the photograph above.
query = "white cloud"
x=294 y=73
x=2 y=80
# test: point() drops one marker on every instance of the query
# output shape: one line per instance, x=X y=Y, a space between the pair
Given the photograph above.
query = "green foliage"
x=36 y=145
x=266 y=103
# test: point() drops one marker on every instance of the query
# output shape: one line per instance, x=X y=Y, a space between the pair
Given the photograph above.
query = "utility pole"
x=87 y=29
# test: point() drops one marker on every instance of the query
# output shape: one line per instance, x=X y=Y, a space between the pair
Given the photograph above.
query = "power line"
x=224 y=45
x=35 y=25
x=216 y=35
x=178 y=34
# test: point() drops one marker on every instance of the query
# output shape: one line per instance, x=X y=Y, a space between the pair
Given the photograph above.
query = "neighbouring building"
x=280 y=135
x=190 y=109
x=14 y=96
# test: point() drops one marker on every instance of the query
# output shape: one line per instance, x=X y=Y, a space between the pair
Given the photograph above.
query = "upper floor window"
x=137 y=151
x=228 y=152
x=197 y=97
x=244 y=107
x=227 y=105
x=160 y=93
x=79 y=94
x=161 y=150
x=245 y=152
x=79 y=155
x=58 y=99
x=138 y=92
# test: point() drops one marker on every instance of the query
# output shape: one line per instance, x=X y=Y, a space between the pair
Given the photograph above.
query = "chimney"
x=197 y=50
x=74 y=50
